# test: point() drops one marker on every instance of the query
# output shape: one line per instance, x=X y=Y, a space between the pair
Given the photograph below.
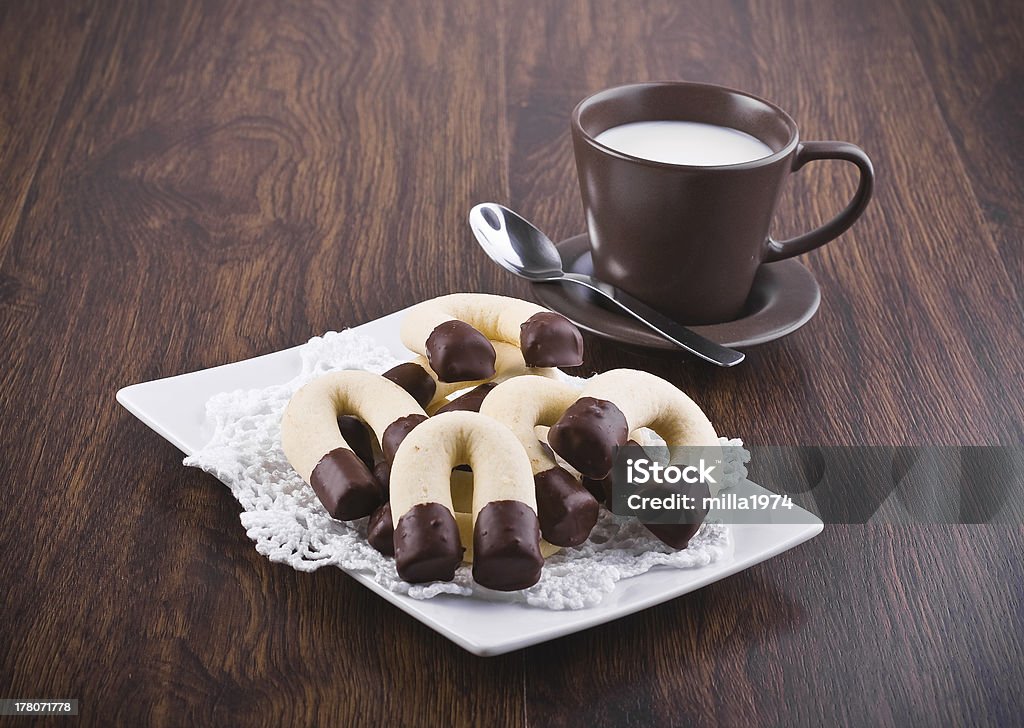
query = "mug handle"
x=809 y=152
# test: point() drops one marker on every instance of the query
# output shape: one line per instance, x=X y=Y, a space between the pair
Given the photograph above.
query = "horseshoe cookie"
x=454 y=333
x=381 y=529
x=615 y=403
x=566 y=509
x=506 y=531
x=418 y=379
x=315 y=447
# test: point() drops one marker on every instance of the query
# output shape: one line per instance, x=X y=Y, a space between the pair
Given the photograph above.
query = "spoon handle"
x=666 y=327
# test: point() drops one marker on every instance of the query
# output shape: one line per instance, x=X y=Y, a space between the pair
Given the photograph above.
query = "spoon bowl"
x=514 y=243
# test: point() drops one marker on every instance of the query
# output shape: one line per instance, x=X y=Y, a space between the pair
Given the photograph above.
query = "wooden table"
x=189 y=184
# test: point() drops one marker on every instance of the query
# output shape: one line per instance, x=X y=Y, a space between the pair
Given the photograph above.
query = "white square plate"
x=175 y=408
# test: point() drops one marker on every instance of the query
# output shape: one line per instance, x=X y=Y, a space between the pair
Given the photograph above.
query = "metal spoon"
x=517 y=246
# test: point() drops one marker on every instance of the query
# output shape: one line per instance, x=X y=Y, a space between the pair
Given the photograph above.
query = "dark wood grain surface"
x=187 y=184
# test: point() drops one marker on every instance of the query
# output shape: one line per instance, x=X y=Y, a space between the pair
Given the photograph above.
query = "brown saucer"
x=785 y=297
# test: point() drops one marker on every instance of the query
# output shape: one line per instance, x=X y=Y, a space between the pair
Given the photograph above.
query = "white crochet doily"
x=284 y=518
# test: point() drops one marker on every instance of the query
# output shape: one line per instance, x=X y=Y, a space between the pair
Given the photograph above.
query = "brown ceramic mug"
x=685 y=239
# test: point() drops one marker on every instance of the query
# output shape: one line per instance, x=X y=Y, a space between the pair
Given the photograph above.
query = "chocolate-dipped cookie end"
x=459 y=353
x=415 y=380
x=675 y=535
x=382 y=472
x=357 y=436
x=396 y=432
x=427 y=544
x=549 y=339
x=380 y=530
x=506 y=546
x=587 y=434
x=344 y=485
x=567 y=511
